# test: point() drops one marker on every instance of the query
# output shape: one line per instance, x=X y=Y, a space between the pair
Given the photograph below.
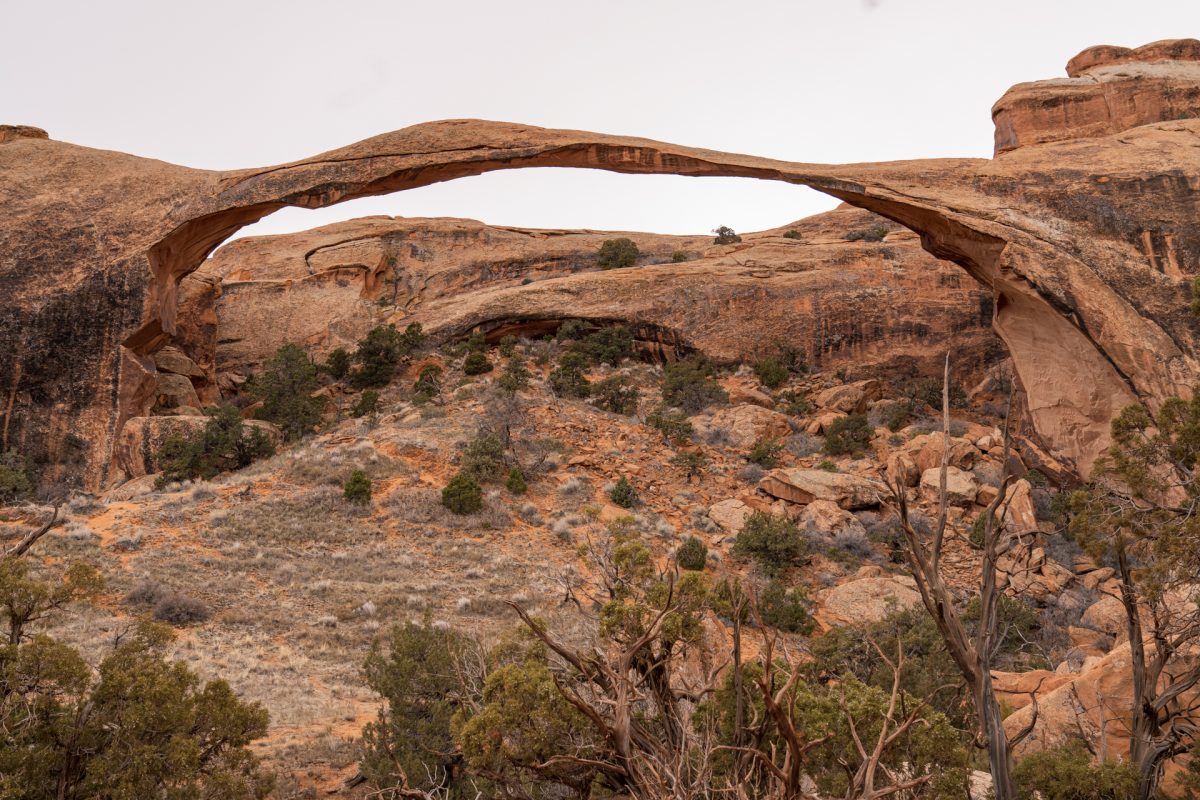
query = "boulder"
x=961 y=486
x=174 y=391
x=926 y=451
x=740 y=394
x=902 y=470
x=1020 y=516
x=745 y=424
x=866 y=600
x=819 y=424
x=1106 y=615
x=800 y=485
x=829 y=519
x=849 y=398
x=172 y=359
x=730 y=514
x=141 y=438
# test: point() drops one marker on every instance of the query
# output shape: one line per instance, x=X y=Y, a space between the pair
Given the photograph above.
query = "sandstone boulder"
x=961 y=486
x=1106 y=615
x=926 y=451
x=803 y=486
x=827 y=518
x=850 y=398
x=745 y=424
x=866 y=600
x=174 y=391
x=902 y=470
x=730 y=514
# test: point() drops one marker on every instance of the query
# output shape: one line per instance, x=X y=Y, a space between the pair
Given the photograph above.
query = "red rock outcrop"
x=1109 y=90
x=867 y=304
x=1088 y=246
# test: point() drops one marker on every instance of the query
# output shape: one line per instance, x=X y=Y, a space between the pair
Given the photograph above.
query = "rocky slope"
x=1087 y=245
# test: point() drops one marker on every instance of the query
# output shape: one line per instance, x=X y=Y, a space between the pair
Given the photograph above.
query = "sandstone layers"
x=870 y=306
x=1088 y=246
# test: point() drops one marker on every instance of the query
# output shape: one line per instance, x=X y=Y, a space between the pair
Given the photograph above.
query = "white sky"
x=241 y=83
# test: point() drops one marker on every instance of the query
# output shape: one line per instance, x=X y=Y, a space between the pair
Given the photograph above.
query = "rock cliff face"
x=867 y=304
x=1109 y=90
x=1087 y=245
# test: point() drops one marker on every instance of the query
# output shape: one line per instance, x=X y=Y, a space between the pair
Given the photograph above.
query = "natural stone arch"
x=1085 y=337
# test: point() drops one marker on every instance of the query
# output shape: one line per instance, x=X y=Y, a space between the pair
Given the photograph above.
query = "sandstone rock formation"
x=803 y=486
x=872 y=305
x=1087 y=244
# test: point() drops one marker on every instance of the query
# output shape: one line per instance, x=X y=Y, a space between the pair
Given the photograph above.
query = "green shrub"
x=507 y=345
x=609 y=345
x=357 y=488
x=771 y=373
x=15 y=483
x=692 y=463
x=337 y=365
x=285 y=387
x=376 y=356
x=415 y=670
x=785 y=608
x=463 y=494
x=828 y=466
x=623 y=493
x=875 y=233
x=765 y=453
x=516 y=481
x=367 y=403
x=1066 y=772
x=692 y=554
x=897 y=415
x=774 y=543
x=515 y=376
x=975 y=538
x=725 y=235
x=477 y=343
x=794 y=358
x=428 y=385
x=617 y=253
x=689 y=384
x=476 y=363
x=929 y=392
x=848 y=435
x=572 y=330
x=567 y=379
x=794 y=403
x=1195 y=306
x=225 y=443
x=673 y=423
x=793 y=234
x=678 y=257
x=616 y=394
x=484 y=456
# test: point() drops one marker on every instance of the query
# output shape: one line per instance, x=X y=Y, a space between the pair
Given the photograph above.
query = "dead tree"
x=973 y=655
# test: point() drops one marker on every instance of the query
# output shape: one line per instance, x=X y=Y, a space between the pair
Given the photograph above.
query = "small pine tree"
x=14 y=477
x=725 y=235
x=616 y=394
x=476 y=363
x=515 y=376
x=516 y=481
x=771 y=372
x=568 y=380
x=367 y=403
x=357 y=489
x=692 y=554
x=848 y=435
x=617 y=253
x=428 y=385
x=774 y=542
x=765 y=453
x=623 y=493
x=678 y=257
x=285 y=388
x=337 y=366
x=785 y=609
x=463 y=494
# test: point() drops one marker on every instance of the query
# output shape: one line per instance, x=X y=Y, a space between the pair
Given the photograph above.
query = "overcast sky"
x=240 y=83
